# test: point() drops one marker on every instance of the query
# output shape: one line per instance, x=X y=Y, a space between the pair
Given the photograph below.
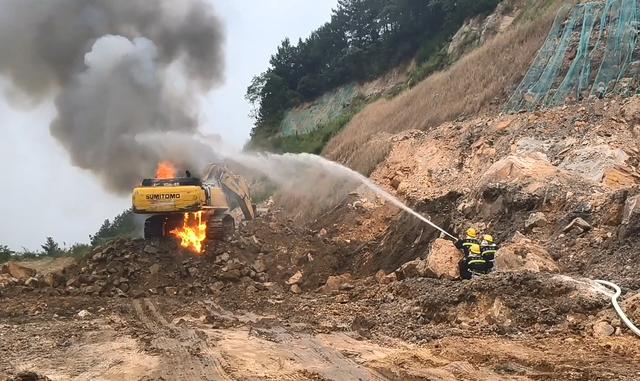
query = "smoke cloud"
x=118 y=70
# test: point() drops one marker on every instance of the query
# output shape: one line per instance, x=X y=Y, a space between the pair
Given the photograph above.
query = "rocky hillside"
x=366 y=52
x=365 y=291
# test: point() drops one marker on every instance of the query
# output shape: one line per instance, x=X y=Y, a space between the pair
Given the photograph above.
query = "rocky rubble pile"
x=269 y=252
x=14 y=274
x=134 y=268
x=560 y=188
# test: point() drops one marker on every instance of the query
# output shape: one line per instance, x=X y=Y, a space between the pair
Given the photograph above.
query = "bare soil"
x=285 y=300
x=171 y=325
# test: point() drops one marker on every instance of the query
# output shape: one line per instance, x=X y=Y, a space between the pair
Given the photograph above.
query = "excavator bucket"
x=238 y=189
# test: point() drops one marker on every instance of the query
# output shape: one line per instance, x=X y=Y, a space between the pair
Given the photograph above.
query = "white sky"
x=42 y=195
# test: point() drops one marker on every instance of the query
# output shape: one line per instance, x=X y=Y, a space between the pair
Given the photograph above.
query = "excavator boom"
x=234 y=187
x=237 y=188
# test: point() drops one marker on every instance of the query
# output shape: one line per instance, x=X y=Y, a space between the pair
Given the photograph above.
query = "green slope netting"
x=578 y=60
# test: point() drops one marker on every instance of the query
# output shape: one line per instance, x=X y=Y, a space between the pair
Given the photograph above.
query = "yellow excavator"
x=169 y=200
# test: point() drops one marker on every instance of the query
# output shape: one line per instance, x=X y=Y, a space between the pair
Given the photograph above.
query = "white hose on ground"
x=616 y=306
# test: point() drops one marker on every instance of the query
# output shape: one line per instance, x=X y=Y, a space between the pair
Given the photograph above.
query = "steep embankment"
x=565 y=177
x=368 y=50
x=479 y=82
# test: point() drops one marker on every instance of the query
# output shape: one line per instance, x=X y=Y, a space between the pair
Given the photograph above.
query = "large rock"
x=522 y=254
x=578 y=223
x=442 y=262
x=295 y=278
x=6 y=279
x=601 y=164
x=228 y=274
x=631 y=111
x=413 y=269
x=149 y=249
x=20 y=272
x=443 y=259
x=296 y=289
x=631 y=306
x=54 y=279
x=519 y=183
x=335 y=283
x=619 y=177
x=536 y=220
x=33 y=282
x=630 y=225
x=535 y=167
x=384 y=278
x=259 y=266
x=602 y=329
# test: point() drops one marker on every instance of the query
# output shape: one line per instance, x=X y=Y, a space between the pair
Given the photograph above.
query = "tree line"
x=364 y=39
x=122 y=226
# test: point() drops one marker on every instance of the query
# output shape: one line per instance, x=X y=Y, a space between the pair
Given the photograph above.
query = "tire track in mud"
x=185 y=355
x=336 y=365
x=305 y=356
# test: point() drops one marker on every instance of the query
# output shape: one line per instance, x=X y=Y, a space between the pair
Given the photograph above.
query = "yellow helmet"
x=471 y=232
x=488 y=238
x=474 y=249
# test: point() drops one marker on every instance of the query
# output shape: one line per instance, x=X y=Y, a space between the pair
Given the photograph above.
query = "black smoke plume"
x=117 y=70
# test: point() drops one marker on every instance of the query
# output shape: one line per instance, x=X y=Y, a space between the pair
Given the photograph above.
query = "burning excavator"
x=193 y=210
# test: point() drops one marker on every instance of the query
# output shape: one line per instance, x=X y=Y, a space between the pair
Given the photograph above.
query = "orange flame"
x=165 y=170
x=193 y=232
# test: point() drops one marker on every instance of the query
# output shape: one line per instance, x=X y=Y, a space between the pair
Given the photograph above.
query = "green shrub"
x=5 y=253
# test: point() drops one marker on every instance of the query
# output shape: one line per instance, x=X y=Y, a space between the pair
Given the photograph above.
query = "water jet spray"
x=271 y=166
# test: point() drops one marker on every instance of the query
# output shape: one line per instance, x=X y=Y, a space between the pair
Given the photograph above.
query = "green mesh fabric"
x=546 y=52
x=601 y=61
x=585 y=80
x=621 y=42
x=540 y=90
x=571 y=85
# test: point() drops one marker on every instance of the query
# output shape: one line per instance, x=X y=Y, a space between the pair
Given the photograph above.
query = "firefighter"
x=475 y=262
x=488 y=249
x=465 y=245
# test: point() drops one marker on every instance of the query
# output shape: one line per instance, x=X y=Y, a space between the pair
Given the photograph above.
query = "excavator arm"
x=235 y=188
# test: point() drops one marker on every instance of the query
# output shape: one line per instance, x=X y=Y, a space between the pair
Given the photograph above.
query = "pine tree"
x=51 y=248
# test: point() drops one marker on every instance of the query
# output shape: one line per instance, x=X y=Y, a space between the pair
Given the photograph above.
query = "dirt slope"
x=231 y=315
x=354 y=295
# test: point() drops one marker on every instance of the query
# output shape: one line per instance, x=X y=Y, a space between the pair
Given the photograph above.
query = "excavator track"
x=219 y=227
x=153 y=227
x=160 y=226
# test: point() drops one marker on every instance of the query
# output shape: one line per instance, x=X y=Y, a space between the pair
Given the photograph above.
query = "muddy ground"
x=323 y=299
x=174 y=338
x=134 y=311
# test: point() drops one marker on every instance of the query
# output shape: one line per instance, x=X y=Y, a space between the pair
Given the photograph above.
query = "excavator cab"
x=178 y=181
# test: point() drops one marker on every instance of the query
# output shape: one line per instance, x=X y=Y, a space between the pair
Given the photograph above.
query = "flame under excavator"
x=194 y=210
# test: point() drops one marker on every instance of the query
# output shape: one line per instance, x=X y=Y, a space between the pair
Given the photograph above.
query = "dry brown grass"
x=482 y=78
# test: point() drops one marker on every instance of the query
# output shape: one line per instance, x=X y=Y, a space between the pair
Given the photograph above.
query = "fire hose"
x=616 y=306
